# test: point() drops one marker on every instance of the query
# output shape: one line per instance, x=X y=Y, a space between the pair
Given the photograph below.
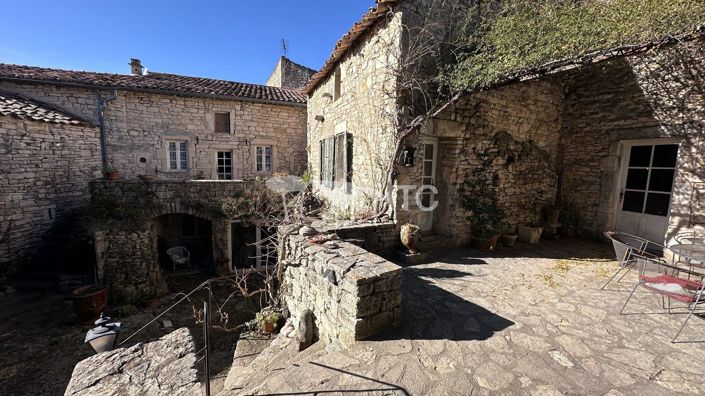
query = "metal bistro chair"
x=179 y=255
x=665 y=280
x=689 y=238
x=625 y=247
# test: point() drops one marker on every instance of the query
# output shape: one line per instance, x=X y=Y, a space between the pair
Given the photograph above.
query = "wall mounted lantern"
x=319 y=118
x=409 y=156
x=104 y=336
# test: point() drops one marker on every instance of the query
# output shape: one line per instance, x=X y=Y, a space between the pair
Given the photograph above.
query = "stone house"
x=619 y=137
x=61 y=128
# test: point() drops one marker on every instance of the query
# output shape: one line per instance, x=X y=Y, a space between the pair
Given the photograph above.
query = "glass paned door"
x=428 y=178
x=648 y=174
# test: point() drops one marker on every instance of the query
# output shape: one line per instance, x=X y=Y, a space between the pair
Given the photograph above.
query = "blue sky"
x=233 y=40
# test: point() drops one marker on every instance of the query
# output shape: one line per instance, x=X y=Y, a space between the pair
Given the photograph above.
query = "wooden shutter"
x=328 y=162
x=222 y=122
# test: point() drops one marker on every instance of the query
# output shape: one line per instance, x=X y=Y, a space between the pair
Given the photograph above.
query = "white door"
x=428 y=178
x=647 y=176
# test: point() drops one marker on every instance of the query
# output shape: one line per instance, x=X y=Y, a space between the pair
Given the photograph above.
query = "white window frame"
x=261 y=159
x=232 y=164
x=179 y=154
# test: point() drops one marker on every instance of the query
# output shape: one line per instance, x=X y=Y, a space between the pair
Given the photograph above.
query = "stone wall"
x=44 y=173
x=653 y=96
x=517 y=127
x=352 y=293
x=200 y=198
x=138 y=125
x=128 y=265
x=381 y=239
x=288 y=74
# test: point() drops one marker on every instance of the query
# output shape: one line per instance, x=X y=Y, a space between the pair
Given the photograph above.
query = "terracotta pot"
x=268 y=328
x=509 y=240
x=89 y=302
x=112 y=175
x=409 y=235
x=488 y=245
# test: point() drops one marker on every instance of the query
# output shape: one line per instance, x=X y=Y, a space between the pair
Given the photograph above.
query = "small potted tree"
x=267 y=320
x=509 y=237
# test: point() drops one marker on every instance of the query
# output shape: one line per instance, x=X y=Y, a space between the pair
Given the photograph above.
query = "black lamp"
x=104 y=336
x=409 y=156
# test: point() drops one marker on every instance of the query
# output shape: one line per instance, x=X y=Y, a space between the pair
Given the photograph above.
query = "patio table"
x=690 y=251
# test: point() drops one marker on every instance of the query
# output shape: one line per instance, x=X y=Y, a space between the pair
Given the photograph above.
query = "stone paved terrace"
x=529 y=320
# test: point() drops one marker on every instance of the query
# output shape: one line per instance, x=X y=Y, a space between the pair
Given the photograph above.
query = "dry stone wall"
x=351 y=292
x=128 y=265
x=45 y=169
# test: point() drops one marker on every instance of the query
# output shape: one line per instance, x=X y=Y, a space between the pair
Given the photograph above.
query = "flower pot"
x=89 y=302
x=112 y=175
x=509 y=240
x=409 y=236
x=529 y=234
x=267 y=328
x=488 y=245
x=146 y=177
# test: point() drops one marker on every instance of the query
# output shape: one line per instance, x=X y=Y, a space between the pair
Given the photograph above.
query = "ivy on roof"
x=523 y=34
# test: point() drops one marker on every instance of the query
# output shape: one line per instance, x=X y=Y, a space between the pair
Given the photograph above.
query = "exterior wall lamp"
x=319 y=118
x=104 y=336
x=408 y=156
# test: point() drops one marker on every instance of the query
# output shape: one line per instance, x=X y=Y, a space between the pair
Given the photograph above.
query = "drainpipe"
x=102 y=105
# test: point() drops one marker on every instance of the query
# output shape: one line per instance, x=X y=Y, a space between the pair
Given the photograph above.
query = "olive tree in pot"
x=479 y=198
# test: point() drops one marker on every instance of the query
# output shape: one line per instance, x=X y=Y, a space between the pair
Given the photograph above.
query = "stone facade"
x=659 y=96
x=367 y=88
x=128 y=265
x=352 y=293
x=197 y=198
x=289 y=74
x=139 y=126
x=517 y=128
x=44 y=173
x=380 y=239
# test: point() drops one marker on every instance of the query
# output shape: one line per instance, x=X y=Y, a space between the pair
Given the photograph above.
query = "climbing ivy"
x=513 y=35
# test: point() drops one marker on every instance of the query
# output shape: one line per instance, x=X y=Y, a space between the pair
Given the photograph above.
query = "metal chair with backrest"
x=666 y=280
x=689 y=238
x=179 y=255
x=626 y=246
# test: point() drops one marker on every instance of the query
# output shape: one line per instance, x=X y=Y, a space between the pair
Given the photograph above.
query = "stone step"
x=433 y=242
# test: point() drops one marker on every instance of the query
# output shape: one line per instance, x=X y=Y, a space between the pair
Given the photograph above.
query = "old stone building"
x=63 y=128
x=289 y=74
x=620 y=139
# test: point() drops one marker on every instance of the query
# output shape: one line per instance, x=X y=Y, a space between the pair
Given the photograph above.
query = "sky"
x=237 y=40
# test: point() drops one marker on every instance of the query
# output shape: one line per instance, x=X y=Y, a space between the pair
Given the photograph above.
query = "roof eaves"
x=371 y=17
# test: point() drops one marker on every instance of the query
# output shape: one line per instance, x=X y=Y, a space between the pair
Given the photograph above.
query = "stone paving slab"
x=531 y=320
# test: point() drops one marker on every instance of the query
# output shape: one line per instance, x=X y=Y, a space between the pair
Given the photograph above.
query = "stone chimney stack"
x=135 y=67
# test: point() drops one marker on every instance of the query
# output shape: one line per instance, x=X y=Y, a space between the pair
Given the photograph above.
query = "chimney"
x=135 y=67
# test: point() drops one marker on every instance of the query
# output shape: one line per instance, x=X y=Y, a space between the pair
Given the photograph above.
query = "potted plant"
x=479 y=198
x=89 y=301
x=509 y=237
x=267 y=320
x=409 y=235
x=111 y=173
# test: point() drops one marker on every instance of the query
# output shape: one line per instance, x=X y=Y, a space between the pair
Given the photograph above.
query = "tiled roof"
x=153 y=82
x=349 y=39
x=18 y=106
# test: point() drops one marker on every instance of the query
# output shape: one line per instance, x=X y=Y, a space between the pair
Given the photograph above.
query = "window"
x=336 y=161
x=337 y=80
x=263 y=158
x=224 y=165
x=222 y=122
x=178 y=155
